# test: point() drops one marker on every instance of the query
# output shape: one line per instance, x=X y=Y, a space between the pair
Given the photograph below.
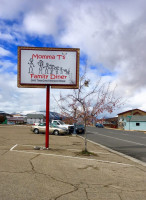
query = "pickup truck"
x=61 y=124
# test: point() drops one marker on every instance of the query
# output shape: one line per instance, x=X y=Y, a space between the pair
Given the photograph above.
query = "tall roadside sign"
x=40 y=67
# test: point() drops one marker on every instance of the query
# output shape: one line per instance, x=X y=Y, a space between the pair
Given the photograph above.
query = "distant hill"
x=1 y=112
x=53 y=115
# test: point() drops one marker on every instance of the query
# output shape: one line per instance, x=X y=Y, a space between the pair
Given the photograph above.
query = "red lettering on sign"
x=43 y=56
x=43 y=76
x=53 y=76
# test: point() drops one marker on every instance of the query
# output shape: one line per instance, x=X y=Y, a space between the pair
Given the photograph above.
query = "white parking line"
x=118 y=139
x=72 y=157
x=13 y=147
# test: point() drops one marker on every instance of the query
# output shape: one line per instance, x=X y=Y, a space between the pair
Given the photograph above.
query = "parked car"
x=99 y=125
x=80 y=128
x=41 y=128
x=61 y=124
x=36 y=123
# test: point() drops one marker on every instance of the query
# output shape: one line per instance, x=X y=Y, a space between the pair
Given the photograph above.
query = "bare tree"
x=87 y=102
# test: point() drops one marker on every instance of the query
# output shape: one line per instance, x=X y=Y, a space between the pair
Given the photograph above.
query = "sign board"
x=57 y=67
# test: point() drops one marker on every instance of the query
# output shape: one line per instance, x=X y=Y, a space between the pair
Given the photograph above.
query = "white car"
x=61 y=124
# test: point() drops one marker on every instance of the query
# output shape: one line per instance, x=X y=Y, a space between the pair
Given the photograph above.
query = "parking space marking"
x=13 y=147
x=72 y=157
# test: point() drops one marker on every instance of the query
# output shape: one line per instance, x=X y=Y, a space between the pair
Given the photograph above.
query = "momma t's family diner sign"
x=38 y=67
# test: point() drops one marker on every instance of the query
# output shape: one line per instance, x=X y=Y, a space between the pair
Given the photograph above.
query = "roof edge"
x=131 y=110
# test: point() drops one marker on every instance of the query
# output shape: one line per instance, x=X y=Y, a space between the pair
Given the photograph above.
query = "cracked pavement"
x=60 y=174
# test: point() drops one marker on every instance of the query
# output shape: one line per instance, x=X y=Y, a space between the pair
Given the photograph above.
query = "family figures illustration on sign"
x=47 y=68
x=31 y=65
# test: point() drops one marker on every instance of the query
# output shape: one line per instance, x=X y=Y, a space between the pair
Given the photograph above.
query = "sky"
x=111 y=35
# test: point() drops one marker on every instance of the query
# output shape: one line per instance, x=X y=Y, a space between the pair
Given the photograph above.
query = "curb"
x=116 y=152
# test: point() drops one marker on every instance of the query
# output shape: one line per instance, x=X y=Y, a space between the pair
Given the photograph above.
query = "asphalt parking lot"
x=62 y=172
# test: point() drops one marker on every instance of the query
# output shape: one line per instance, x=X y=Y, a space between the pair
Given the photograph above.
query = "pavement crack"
x=75 y=189
x=9 y=172
x=86 y=194
x=32 y=166
x=5 y=153
x=120 y=196
x=55 y=179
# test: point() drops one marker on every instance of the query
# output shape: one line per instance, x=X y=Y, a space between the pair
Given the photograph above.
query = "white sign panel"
x=45 y=66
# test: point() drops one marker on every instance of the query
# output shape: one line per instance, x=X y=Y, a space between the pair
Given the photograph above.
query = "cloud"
x=33 y=23
x=4 y=52
x=139 y=100
x=108 y=38
x=111 y=35
x=12 y=10
x=5 y=36
x=49 y=19
x=15 y=99
x=7 y=66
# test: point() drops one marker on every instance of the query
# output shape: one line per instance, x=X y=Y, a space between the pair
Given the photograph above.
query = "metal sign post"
x=47 y=115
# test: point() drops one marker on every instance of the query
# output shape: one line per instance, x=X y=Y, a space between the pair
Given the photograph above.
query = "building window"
x=137 y=124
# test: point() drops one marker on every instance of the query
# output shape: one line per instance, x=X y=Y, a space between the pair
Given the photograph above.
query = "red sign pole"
x=47 y=114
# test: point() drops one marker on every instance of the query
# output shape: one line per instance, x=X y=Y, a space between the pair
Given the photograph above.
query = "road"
x=131 y=143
